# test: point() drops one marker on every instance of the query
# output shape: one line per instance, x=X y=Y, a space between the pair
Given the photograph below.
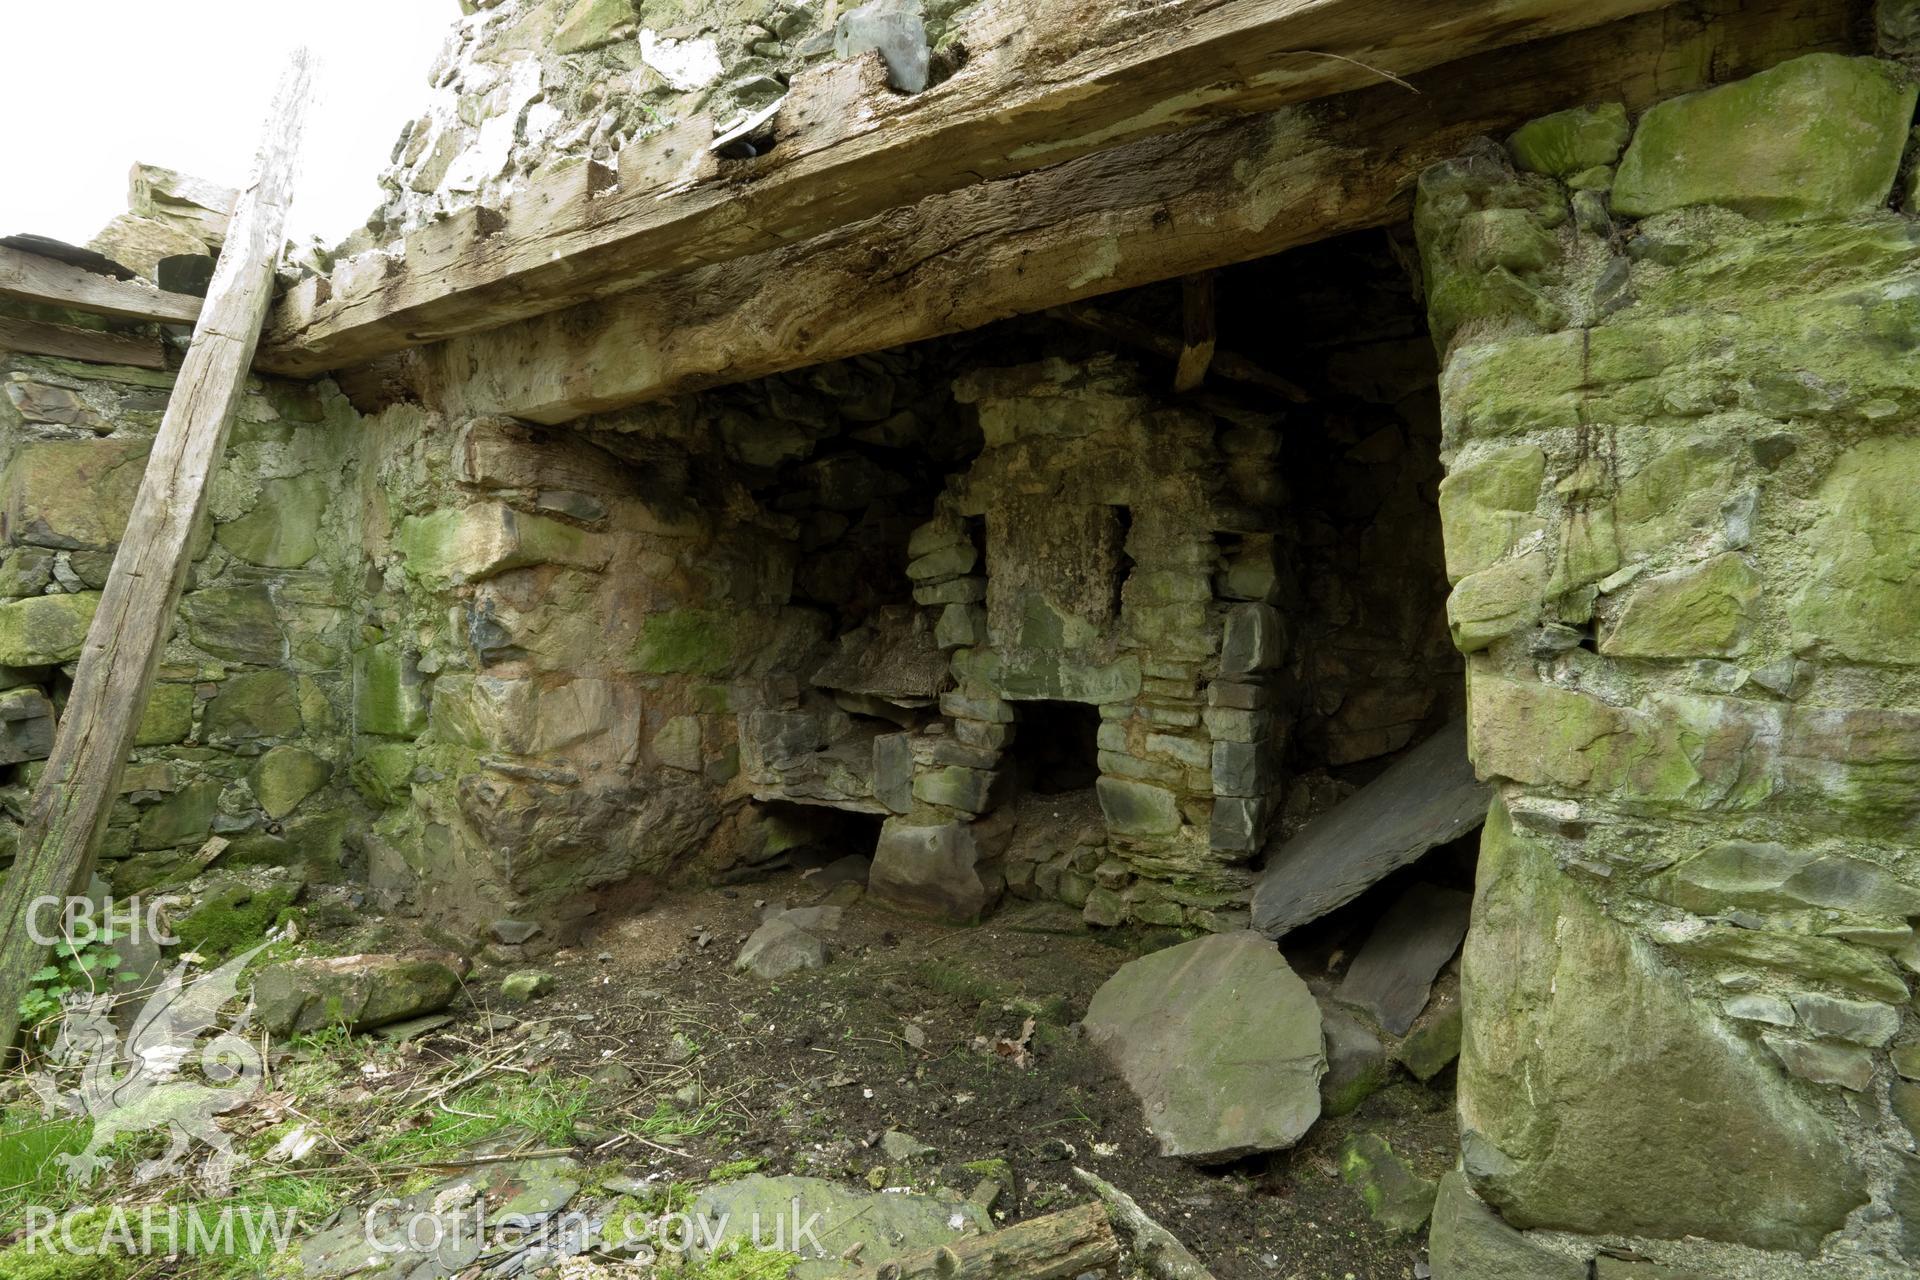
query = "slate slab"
x=1393 y=975
x=1428 y=797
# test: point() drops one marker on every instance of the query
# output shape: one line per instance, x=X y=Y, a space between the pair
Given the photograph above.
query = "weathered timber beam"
x=1046 y=83
x=1199 y=337
x=130 y=628
x=32 y=278
x=36 y=337
x=1071 y=1242
x=1152 y=210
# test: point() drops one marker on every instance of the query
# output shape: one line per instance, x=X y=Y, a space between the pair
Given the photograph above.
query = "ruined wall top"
x=521 y=82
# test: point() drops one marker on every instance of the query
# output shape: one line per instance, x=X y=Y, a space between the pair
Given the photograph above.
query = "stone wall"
x=1682 y=439
x=566 y=630
x=244 y=735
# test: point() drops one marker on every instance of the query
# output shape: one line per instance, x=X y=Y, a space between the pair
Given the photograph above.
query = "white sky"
x=90 y=86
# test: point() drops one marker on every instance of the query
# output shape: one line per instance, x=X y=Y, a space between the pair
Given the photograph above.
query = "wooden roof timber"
x=1045 y=83
x=1152 y=210
x=32 y=277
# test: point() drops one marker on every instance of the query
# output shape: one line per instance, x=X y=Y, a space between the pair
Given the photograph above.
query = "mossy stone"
x=1487 y=505
x=390 y=692
x=182 y=818
x=1137 y=808
x=1496 y=602
x=590 y=24
x=234 y=916
x=477 y=541
x=1568 y=142
x=1705 y=610
x=684 y=642
x=1863 y=595
x=239 y=624
x=25 y=571
x=1818 y=136
x=285 y=776
x=1396 y=1197
x=1578 y=1037
x=73 y=493
x=44 y=631
x=283 y=529
x=254 y=704
x=168 y=717
x=381 y=771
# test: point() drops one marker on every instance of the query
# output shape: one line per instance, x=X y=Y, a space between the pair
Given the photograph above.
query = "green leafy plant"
x=83 y=961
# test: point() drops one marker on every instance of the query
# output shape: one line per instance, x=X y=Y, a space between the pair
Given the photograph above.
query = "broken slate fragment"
x=1221 y=1043
x=1393 y=974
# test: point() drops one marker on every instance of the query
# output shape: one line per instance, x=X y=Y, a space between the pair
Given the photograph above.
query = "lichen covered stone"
x=1596 y=1095
x=1818 y=136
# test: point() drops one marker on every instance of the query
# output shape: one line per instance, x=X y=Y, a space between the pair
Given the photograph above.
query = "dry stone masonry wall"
x=1680 y=415
x=244 y=736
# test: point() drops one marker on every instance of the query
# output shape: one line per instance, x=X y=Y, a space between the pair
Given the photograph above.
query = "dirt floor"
x=914 y=1026
x=654 y=1064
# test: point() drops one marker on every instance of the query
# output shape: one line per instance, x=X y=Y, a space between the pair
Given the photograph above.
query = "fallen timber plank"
x=1071 y=1242
x=38 y=338
x=70 y=805
x=32 y=278
x=1046 y=83
x=1152 y=210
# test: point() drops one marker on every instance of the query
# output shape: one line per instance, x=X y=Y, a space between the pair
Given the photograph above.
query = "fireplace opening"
x=1056 y=746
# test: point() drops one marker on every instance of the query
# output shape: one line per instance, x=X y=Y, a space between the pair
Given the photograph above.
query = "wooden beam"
x=1071 y=1242
x=69 y=807
x=38 y=338
x=1198 y=336
x=1152 y=210
x=1046 y=82
x=32 y=278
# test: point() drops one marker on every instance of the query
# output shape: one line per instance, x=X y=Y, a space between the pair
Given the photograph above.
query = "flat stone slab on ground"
x=1428 y=797
x=1393 y=975
x=1221 y=1042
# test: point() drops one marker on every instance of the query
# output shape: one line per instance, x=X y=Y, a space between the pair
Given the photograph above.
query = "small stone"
x=1568 y=142
x=512 y=932
x=1356 y=1063
x=904 y=1148
x=524 y=985
x=1859 y=1021
x=1468 y=1241
x=359 y=992
x=44 y=631
x=1396 y=1197
x=1842 y=1065
x=778 y=948
x=896 y=29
